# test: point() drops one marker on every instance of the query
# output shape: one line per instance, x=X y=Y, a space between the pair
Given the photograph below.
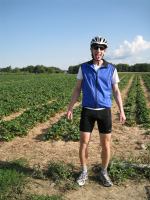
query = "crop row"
x=146 y=79
x=24 y=91
x=65 y=129
x=38 y=113
x=124 y=81
x=23 y=123
x=35 y=90
x=135 y=106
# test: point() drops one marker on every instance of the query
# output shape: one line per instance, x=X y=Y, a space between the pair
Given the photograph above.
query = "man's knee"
x=84 y=138
x=106 y=141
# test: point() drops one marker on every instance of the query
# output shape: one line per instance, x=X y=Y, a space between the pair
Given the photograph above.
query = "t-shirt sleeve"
x=115 y=78
x=79 y=75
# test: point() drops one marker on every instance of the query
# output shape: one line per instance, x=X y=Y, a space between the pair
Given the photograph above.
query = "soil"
x=126 y=142
x=146 y=92
x=13 y=115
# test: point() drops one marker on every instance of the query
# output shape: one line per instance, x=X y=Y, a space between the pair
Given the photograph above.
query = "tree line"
x=139 y=67
x=32 y=69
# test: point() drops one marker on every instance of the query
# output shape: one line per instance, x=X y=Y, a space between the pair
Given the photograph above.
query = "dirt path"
x=146 y=92
x=17 y=114
x=34 y=149
x=128 y=191
x=125 y=143
x=13 y=115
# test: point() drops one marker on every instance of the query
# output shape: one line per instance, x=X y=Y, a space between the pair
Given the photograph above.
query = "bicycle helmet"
x=99 y=40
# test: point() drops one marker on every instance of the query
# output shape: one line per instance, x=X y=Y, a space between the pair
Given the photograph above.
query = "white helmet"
x=99 y=40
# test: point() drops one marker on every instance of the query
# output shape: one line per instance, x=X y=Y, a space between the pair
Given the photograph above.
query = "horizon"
x=68 y=66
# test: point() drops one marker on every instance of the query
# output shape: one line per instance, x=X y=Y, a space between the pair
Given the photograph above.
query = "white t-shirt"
x=115 y=78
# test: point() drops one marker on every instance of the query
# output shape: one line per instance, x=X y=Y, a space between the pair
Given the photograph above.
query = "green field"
x=36 y=99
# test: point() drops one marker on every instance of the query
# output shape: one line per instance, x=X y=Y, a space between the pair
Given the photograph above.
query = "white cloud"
x=129 y=49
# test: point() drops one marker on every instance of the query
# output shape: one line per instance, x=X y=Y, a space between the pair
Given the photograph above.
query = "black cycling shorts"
x=103 y=118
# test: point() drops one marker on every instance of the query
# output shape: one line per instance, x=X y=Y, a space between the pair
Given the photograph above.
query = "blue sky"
x=58 y=32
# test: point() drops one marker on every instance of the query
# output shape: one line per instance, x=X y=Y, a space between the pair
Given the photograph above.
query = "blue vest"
x=97 y=85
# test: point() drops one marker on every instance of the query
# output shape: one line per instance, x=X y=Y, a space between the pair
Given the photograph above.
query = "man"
x=97 y=79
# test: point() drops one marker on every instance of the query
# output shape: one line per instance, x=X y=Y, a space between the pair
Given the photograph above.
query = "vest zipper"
x=96 y=89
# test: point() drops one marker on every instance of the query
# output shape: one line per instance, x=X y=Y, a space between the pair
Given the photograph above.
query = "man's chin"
x=98 y=59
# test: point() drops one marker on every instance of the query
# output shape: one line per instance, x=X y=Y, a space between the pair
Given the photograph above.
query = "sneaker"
x=104 y=178
x=82 y=179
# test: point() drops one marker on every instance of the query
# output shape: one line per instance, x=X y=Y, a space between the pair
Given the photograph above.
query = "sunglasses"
x=98 y=47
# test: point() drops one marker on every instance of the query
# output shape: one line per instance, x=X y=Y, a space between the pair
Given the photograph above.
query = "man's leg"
x=105 y=140
x=83 y=155
x=105 y=155
x=83 y=151
x=104 y=122
x=86 y=126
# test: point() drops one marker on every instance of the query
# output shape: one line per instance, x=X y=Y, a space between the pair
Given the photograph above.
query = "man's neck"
x=98 y=62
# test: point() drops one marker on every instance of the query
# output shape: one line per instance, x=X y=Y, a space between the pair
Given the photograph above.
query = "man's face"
x=97 y=51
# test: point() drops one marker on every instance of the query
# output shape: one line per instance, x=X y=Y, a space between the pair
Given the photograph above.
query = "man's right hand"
x=69 y=114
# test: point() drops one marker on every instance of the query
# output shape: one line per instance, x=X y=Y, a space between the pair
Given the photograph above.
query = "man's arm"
x=75 y=95
x=118 y=99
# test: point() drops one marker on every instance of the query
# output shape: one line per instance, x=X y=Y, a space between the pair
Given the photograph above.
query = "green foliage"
x=13 y=179
x=62 y=174
x=52 y=90
x=65 y=129
x=26 y=91
x=130 y=104
x=143 y=113
x=32 y=69
x=135 y=106
x=41 y=197
x=121 y=67
x=38 y=172
x=73 y=69
x=119 y=174
x=11 y=184
x=22 y=162
x=121 y=170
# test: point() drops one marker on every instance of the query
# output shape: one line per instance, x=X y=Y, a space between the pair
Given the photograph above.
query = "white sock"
x=104 y=170
x=84 y=169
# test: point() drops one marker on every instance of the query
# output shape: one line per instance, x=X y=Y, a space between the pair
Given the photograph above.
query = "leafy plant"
x=62 y=174
x=64 y=129
x=120 y=170
x=41 y=197
x=11 y=183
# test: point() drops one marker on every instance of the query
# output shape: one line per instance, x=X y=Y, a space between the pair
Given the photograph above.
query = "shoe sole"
x=85 y=182
x=104 y=183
